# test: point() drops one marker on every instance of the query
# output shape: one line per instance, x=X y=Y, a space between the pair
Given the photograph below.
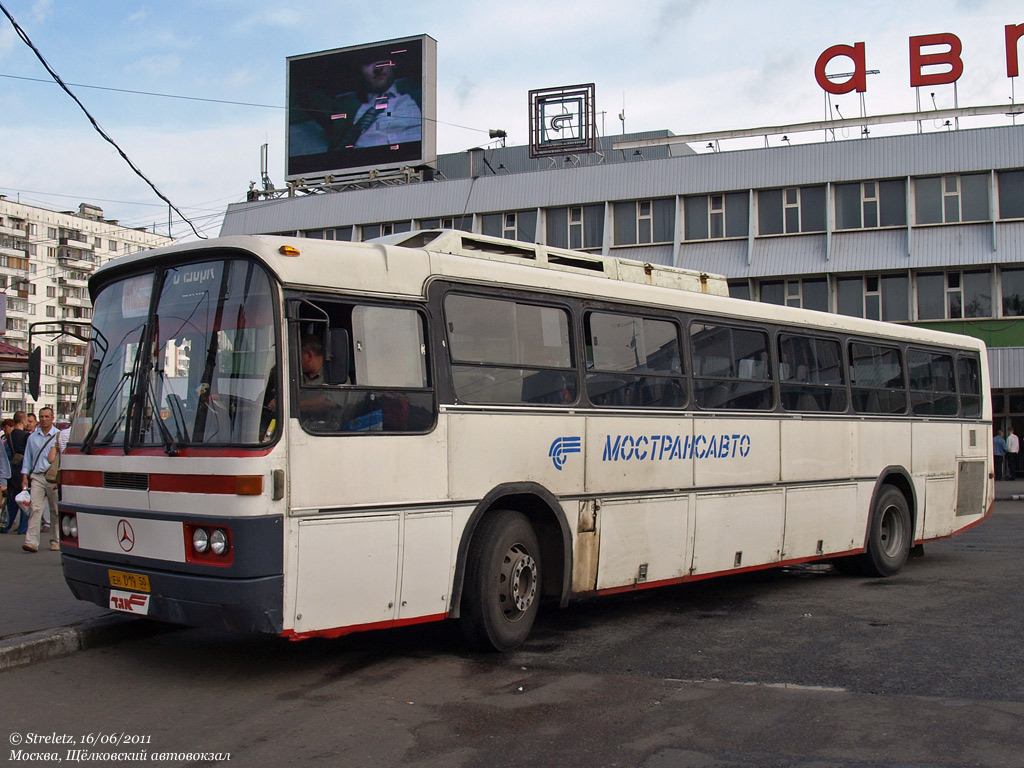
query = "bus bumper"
x=243 y=605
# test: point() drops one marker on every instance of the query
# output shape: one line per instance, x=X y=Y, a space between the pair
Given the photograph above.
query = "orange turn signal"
x=249 y=485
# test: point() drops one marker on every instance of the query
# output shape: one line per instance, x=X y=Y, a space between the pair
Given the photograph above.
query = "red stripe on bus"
x=716 y=574
x=81 y=477
x=217 y=484
x=291 y=634
x=231 y=453
x=212 y=484
x=958 y=531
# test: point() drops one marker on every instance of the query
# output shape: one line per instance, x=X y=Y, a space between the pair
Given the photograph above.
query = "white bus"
x=312 y=438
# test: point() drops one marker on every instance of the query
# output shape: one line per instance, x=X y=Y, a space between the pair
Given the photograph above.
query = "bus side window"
x=731 y=368
x=373 y=377
x=932 y=383
x=876 y=379
x=968 y=373
x=633 y=362
x=508 y=351
x=811 y=374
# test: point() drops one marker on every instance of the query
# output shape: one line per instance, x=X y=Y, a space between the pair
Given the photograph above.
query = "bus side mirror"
x=34 y=366
x=337 y=363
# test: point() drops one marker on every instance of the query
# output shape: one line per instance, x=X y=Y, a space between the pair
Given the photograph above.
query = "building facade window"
x=640 y=222
x=791 y=210
x=954 y=295
x=1013 y=292
x=809 y=293
x=579 y=227
x=951 y=199
x=1011 y=194
x=462 y=223
x=875 y=297
x=713 y=217
x=739 y=289
x=513 y=225
x=871 y=204
x=332 y=233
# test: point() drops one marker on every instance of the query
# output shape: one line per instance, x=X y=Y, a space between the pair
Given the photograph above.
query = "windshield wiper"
x=170 y=444
x=90 y=437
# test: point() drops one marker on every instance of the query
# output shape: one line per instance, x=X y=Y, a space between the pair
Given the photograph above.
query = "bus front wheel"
x=502 y=591
x=890 y=535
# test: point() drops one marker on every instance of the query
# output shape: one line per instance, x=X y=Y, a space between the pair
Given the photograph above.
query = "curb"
x=31 y=647
x=1014 y=497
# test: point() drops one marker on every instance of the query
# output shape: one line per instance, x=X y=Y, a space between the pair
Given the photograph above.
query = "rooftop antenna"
x=267 y=183
x=622 y=114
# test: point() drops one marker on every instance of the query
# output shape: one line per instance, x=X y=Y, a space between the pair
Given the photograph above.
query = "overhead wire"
x=213 y=101
x=25 y=38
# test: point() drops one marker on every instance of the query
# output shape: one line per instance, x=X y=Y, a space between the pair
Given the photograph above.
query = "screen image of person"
x=385 y=110
x=374 y=104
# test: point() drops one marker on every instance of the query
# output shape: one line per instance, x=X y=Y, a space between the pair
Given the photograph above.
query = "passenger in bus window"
x=314 y=405
x=312 y=360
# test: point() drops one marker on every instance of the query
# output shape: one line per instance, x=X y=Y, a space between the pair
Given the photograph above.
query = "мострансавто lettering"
x=673 y=447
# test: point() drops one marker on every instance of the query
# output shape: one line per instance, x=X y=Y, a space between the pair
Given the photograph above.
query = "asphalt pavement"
x=40 y=618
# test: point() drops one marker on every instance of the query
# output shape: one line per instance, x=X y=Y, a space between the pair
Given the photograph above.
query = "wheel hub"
x=891 y=531
x=519 y=582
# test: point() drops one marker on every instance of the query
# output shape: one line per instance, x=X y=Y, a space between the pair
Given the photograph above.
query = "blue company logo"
x=561 y=447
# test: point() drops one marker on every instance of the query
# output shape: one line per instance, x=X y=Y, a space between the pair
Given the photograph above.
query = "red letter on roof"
x=1013 y=34
x=859 y=79
x=951 y=58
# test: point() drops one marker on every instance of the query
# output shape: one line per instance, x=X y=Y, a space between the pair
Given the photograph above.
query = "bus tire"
x=890 y=535
x=503 y=578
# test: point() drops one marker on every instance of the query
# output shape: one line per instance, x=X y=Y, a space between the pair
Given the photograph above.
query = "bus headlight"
x=209 y=545
x=218 y=542
x=69 y=526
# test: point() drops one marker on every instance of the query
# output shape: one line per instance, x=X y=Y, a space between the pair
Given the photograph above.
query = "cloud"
x=155 y=66
x=669 y=15
x=274 y=18
x=464 y=91
x=40 y=11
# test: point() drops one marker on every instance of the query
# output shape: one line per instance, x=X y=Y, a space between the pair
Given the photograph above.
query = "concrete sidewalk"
x=40 y=618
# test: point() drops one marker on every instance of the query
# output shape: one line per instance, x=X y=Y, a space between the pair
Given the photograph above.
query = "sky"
x=688 y=66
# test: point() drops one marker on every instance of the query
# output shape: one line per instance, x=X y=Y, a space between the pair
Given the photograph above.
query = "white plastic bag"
x=24 y=500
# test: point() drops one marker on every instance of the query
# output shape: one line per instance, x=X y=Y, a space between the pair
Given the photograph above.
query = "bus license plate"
x=124 y=580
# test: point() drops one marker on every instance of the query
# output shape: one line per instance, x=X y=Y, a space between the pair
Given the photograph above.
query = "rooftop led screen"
x=360 y=108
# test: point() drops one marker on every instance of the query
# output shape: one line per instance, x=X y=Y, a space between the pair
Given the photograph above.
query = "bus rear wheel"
x=890 y=535
x=502 y=591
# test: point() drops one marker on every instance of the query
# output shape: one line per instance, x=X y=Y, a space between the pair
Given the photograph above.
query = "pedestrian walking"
x=1012 y=454
x=40 y=453
x=999 y=454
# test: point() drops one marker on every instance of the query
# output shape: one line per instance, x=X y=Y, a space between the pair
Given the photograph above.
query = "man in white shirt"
x=387 y=115
x=40 y=452
x=1012 y=455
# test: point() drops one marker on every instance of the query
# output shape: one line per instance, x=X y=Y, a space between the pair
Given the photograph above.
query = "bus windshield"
x=194 y=364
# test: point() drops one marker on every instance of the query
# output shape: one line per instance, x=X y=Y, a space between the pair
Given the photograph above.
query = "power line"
x=207 y=100
x=25 y=38
x=150 y=93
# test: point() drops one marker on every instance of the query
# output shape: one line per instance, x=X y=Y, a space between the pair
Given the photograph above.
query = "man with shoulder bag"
x=40 y=470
